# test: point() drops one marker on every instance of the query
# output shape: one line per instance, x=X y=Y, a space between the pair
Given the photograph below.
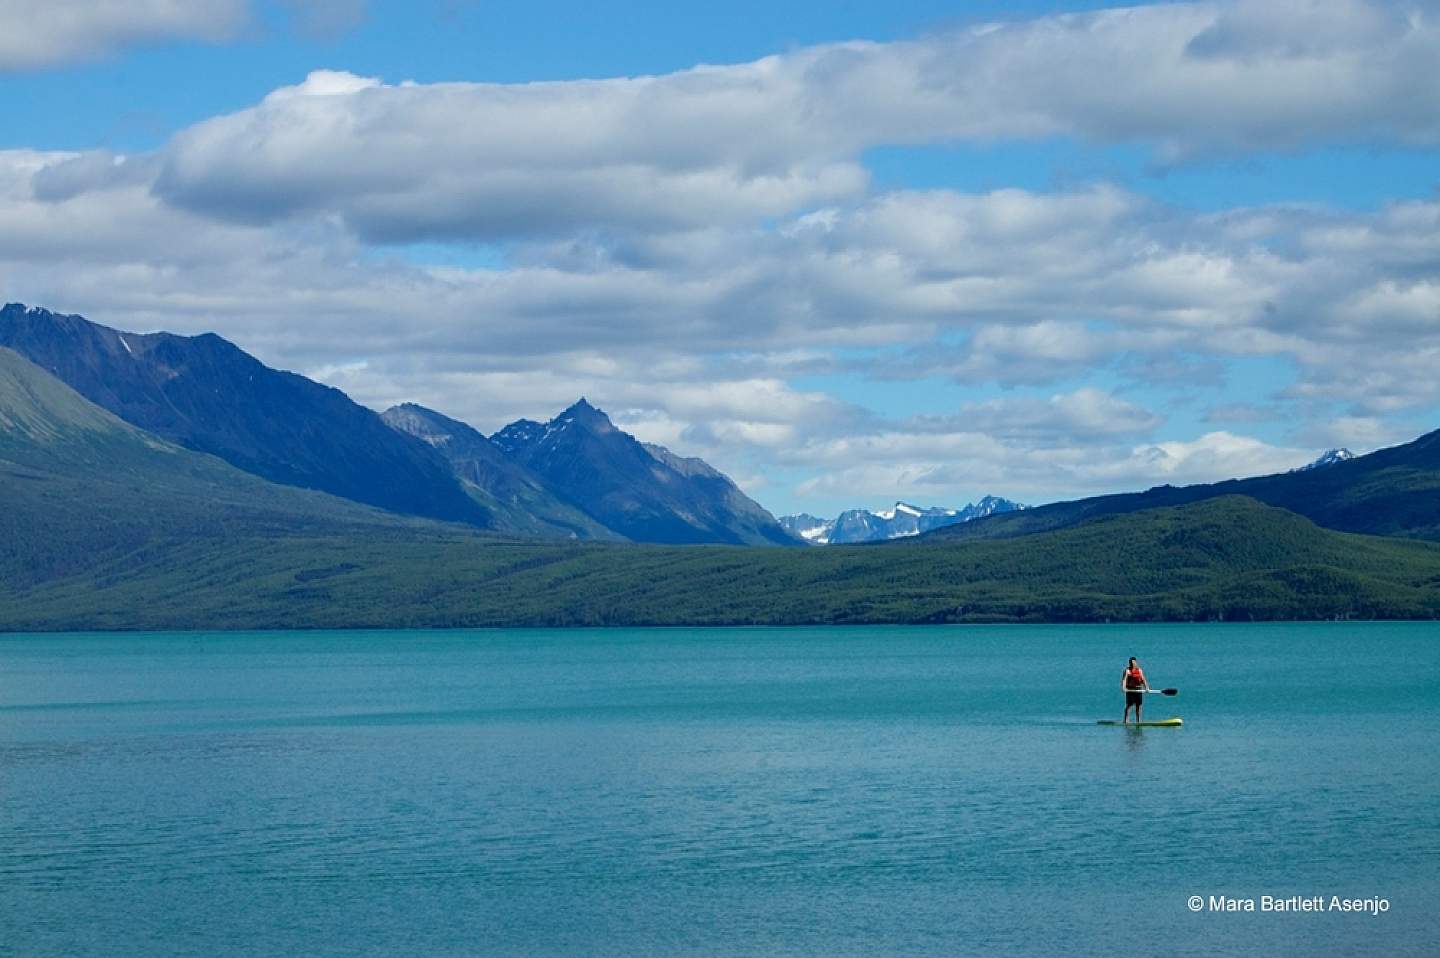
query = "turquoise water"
x=835 y=792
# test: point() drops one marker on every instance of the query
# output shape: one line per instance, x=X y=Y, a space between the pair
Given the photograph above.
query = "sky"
x=846 y=252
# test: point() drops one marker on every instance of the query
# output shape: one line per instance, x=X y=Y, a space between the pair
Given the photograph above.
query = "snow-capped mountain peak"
x=810 y=528
x=1329 y=457
x=903 y=508
x=899 y=521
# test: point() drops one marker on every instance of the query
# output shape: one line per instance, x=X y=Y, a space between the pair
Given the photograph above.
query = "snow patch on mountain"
x=899 y=521
x=520 y=434
x=1329 y=457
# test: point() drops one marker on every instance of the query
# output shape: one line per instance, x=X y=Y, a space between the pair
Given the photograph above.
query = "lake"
x=869 y=791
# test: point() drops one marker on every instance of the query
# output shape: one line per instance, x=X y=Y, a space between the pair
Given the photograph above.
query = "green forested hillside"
x=105 y=526
x=1226 y=558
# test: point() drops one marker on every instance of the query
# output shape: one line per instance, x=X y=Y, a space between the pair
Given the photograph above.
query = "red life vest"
x=1134 y=678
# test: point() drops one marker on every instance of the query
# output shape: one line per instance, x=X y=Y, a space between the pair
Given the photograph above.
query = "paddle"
x=1159 y=691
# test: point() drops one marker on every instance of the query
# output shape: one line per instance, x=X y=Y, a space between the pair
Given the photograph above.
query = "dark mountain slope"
x=740 y=513
x=81 y=489
x=1391 y=492
x=210 y=396
x=605 y=471
x=518 y=499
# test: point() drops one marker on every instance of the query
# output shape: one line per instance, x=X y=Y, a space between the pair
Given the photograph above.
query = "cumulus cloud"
x=682 y=248
x=459 y=160
x=1359 y=434
x=1268 y=30
x=950 y=467
x=1215 y=455
x=743 y=289
x=42 y=33
x=1007 y=287
x=1084 y=414
x=726 y=144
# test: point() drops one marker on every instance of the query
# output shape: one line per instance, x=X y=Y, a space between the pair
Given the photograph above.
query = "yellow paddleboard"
x=1163 y=723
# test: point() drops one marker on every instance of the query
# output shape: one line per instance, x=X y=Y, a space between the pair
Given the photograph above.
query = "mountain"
x=1328 y=458
x=517 y=499
x=1227 y=558
x=519 y=435
x=208 y=395
x=648 y=495
x=81 y=488
x=808 y=528
x=861 y=525
x=1390 y=492
x=736 y=510
x=989 y=506
x=106 y=526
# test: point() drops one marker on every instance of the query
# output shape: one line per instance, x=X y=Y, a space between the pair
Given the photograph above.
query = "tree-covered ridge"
x=1229 y=558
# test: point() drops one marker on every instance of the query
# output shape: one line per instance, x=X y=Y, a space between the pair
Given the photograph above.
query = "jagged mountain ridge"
x=208 y=395
x=808 y=528
x=900 y=521
x=649 y=495
x=520 y=501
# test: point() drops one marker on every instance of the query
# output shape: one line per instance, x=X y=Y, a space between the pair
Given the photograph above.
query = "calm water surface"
x=936 y=791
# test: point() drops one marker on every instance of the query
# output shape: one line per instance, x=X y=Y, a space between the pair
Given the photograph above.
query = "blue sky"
x=849 y=253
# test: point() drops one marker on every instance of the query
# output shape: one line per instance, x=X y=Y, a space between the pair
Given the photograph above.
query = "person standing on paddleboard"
x=1133 y=682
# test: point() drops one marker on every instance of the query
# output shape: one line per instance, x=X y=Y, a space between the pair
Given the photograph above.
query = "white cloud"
x=682 y=248
x=1213 y=456
x=1085 y=414
x=964 y=286
x=42 y=33
x=1359 y=434
x=729 y=144
x=940 y=283
x=1325 y=27
x=461 y=160
x=952 y=467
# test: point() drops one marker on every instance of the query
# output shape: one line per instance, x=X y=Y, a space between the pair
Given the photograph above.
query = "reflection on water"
x=656 y=792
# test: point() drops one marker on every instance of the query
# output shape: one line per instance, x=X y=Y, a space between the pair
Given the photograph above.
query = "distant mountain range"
x=106 y=525
x=900 y=521
x=575 y=477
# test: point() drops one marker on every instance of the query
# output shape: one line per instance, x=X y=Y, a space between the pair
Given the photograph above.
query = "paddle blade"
x=1169 y=691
